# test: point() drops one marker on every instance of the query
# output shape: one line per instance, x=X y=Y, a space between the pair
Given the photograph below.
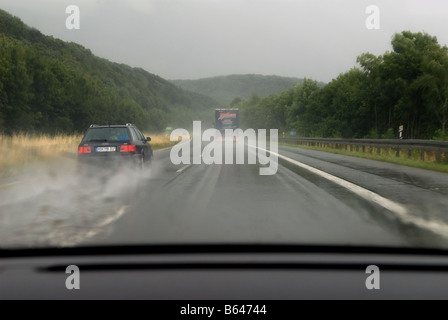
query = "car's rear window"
x=106 y=134
x=135 y=134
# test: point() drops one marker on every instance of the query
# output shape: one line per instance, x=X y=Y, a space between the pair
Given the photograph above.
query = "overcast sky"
x=191 y=39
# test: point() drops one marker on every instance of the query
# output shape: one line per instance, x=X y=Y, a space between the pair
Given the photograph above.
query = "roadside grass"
x=160 y=141
x=21 y=149
x=402 y=160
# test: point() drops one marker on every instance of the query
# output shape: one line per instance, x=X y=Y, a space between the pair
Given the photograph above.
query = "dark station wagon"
x=111 y=145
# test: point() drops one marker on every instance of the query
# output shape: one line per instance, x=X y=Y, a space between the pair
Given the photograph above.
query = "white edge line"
x=183 y=168
x=438 y=227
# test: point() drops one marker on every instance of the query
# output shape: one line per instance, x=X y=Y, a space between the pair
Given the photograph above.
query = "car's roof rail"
x=93 y=125
x=130 y=125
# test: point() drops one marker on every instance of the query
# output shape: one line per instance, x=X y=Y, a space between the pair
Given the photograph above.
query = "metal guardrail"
x=429 y=150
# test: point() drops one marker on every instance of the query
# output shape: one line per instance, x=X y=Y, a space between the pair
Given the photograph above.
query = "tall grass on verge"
x=159 y=141
x=21 y=149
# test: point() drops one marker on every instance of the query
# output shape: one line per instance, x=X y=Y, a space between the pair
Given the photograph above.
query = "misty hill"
x=225 y=88
x=48 y=85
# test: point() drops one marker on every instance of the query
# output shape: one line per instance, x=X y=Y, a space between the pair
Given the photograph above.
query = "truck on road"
x=226 y=119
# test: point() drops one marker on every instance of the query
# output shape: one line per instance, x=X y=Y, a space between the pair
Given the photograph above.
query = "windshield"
x=271 y=122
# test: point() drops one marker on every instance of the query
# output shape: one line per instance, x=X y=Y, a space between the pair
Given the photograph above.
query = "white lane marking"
x=92 y=232
x=7 y=185
x=435 y=226
x=114 y=218
x=160 y=150
x=183 y=168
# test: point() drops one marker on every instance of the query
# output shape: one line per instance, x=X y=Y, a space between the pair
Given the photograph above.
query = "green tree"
x=406 y=65
x=434 y=82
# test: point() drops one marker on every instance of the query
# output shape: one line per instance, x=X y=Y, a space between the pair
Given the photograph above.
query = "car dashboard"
x=225 y=273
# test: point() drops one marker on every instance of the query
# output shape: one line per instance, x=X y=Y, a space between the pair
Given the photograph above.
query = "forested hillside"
x=407 y=86
x=226 y=88
x=48 y=85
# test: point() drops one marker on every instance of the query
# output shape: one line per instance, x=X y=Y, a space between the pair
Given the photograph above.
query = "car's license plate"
x=106 y=149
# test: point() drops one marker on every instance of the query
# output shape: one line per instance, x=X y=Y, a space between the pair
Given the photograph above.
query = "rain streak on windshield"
x=346 y=100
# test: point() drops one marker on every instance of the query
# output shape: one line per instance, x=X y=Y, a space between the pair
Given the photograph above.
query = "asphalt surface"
x=53 y=205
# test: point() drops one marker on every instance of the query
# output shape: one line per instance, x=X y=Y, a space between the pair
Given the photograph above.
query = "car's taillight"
x=84 y=150
x=128 y=148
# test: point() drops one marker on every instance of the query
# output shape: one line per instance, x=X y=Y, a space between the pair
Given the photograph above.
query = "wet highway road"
x=52 y=206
